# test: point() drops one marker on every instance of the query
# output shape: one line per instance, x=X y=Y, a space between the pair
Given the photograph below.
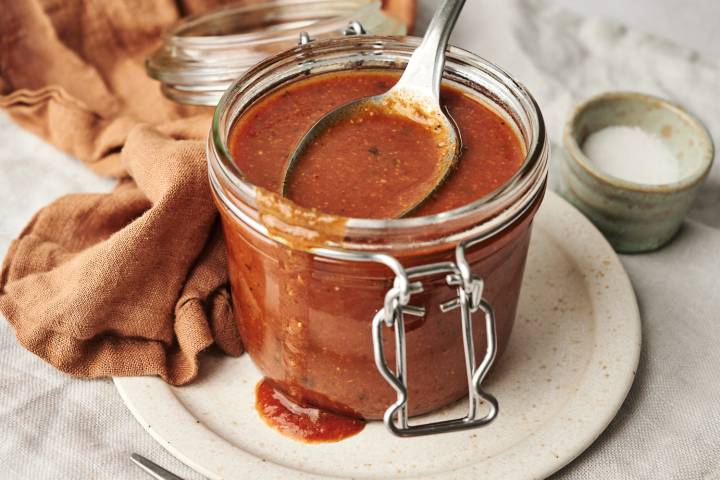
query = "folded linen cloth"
x=127 y=283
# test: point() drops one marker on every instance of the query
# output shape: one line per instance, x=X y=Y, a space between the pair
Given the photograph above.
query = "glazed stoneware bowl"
x=635 y=217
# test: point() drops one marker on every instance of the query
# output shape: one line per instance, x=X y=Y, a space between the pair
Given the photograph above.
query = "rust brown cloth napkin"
x=127 y=283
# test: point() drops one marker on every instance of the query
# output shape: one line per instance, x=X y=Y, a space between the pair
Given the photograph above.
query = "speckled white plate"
x=570 y=363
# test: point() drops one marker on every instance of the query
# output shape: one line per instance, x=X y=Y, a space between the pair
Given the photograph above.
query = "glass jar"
x=318 y=298
x=202 y=55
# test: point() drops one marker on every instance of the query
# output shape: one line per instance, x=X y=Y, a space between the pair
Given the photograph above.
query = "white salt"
x=632 y=154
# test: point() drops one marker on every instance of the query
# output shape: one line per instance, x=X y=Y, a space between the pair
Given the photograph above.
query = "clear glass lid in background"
x=203 y=54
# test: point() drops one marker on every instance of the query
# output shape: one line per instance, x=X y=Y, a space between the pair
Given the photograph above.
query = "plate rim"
x=584 y=437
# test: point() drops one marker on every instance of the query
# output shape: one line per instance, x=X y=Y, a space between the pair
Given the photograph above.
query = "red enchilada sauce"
x=370 y=157
x=305 y=423
x=364 y=173
x=370 y=168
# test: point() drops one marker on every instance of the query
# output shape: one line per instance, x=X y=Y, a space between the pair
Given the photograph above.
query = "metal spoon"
x=416 y=96
x=152 y=468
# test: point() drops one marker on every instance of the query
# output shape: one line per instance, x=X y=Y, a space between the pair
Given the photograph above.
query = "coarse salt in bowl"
x=632 y=154
x=633 y=164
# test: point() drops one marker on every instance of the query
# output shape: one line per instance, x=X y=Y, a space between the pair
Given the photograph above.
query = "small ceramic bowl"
x=635 y=217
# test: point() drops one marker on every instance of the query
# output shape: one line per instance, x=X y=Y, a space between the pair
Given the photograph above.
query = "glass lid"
x=203 y=54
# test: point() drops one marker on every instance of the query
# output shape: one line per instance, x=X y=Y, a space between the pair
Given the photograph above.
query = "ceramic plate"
x=569 y=365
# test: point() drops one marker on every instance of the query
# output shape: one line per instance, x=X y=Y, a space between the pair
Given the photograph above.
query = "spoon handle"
x=424 y=70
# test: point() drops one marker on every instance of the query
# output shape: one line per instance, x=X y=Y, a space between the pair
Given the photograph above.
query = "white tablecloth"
x=54 y=426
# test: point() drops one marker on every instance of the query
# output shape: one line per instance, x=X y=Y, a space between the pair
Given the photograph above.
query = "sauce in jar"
x=369 y=166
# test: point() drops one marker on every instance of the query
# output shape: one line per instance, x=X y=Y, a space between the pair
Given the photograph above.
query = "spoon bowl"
x=394 y=102
x=416 y=97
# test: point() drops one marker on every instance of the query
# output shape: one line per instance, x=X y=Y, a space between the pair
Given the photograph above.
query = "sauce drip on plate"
x=307 y=424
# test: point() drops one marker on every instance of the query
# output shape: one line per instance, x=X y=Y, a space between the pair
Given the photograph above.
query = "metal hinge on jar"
x=468 y=300
x=353 y=28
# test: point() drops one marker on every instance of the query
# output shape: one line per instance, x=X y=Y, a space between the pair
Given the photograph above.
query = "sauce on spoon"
x=370 y=157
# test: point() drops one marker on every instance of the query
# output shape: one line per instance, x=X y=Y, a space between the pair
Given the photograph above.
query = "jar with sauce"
x=368 y=317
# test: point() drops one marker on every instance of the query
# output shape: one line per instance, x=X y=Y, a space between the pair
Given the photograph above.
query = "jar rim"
x=524 y=186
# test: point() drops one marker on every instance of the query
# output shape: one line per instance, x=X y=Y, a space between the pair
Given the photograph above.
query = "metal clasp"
x=469 y=289
x=469 y=300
